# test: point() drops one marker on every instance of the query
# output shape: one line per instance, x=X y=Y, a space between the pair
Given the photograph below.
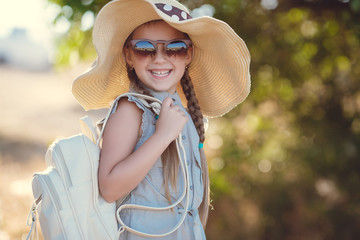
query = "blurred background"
x=285 y=164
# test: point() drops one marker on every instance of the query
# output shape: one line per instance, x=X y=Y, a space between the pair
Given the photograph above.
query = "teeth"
x=158 y=73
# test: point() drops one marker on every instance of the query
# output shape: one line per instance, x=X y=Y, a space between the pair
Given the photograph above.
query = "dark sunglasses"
x=173 y=48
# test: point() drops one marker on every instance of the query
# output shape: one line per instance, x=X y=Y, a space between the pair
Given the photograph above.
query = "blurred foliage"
x=285 y=164
x=75 y=43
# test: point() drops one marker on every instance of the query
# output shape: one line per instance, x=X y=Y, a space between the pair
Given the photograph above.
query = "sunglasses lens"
x=176 y=48
x=144 y=48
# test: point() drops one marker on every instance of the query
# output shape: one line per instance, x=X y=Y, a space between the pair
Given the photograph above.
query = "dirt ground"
x=36 y=108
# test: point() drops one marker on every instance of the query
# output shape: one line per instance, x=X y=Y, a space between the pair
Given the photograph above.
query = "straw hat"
x=219 y=69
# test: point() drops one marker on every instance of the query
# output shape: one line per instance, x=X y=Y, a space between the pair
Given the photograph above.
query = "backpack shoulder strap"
x=155 y=105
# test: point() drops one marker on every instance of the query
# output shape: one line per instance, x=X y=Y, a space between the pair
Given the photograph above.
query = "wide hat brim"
x=219 y=69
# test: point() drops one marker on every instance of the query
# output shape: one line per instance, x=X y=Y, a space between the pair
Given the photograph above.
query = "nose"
x=160 y=55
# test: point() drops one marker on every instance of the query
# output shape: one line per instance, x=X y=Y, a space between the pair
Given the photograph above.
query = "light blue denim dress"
x=150 y=191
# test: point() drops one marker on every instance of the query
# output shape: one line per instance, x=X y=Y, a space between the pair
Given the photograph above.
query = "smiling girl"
x=155 y=48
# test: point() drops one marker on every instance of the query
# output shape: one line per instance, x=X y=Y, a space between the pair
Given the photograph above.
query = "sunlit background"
x=285 y=164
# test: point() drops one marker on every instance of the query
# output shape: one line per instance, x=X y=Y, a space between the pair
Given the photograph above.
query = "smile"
x=160 y=73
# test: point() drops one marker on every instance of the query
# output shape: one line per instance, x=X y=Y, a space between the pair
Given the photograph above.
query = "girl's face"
x=158 y=72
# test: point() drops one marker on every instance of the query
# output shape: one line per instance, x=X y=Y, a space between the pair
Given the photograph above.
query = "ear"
x=128 y=56
x=189 y=56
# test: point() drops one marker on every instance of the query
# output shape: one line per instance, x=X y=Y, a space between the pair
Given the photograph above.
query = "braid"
x=198 y=119
x=193 y=105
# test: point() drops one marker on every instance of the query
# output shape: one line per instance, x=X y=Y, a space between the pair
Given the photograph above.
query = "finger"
x=167 y=102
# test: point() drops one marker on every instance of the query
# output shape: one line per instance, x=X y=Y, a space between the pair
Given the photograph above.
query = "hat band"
x=175 y=13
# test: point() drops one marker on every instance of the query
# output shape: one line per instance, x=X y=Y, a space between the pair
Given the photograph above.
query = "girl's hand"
x=171 y=120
